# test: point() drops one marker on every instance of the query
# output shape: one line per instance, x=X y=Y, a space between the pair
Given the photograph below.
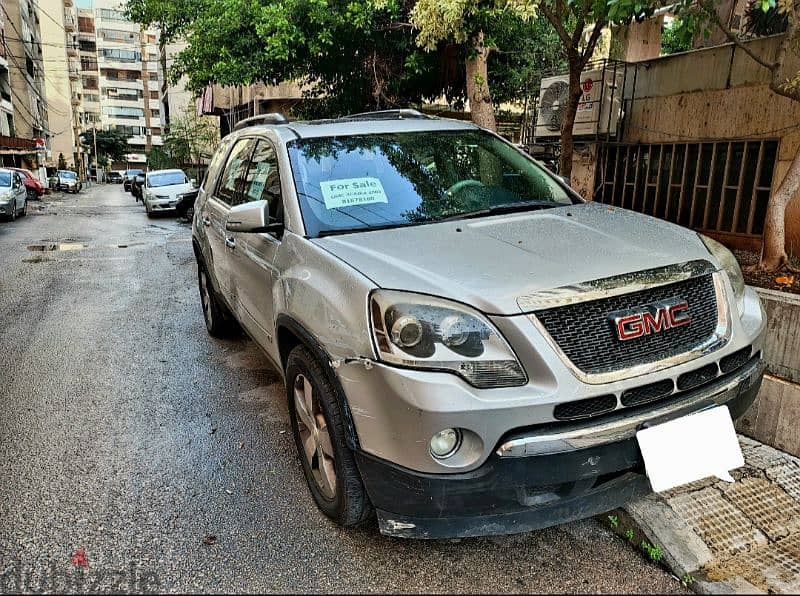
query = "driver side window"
x=263 y=181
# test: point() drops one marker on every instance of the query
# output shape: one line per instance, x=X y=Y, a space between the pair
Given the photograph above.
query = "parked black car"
x=136 y=186
x=185 y=206
x=127 y=178
x=114 y=177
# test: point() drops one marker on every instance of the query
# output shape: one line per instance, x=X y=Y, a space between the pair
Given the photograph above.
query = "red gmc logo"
x=651 y=318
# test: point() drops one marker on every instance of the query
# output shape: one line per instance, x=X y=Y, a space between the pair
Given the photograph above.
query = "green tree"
x=191 y=138
x=783 y=81
x=159 y=159
x=111 y=143
x=350 y=55
x=676 y=37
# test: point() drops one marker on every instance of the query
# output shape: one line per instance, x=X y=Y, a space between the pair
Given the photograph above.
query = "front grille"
x=735 y=360
x=647 y=393
x=585 y=332
x=585 y=408
x=698 y=377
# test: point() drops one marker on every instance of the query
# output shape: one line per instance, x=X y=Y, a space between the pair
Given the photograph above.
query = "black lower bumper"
x=508 y=495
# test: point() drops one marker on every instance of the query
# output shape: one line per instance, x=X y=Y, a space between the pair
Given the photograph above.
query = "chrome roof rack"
x=271 y=118
x=388 y=115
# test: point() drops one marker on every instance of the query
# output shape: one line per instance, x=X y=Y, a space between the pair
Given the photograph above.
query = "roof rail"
x=271 y=118
x=388 y=115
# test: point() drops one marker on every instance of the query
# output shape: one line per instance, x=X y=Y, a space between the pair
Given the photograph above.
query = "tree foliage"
x=676 y=37
x=190 y=138
x=111 y=143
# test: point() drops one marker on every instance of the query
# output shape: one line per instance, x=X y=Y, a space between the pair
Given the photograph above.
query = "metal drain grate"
x=721 y=525
x=774 y=568
x=788 y=477
x=767 y=505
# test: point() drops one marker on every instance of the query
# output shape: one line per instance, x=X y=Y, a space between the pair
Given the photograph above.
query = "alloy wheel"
x=314 y=436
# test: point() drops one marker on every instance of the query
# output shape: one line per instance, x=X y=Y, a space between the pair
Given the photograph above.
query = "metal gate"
x=720 y=186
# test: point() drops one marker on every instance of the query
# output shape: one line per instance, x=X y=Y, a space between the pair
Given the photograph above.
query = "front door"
x=254 y=256
x=215 y=211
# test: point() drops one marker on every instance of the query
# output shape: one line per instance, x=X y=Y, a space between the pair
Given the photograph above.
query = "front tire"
x=219 y=321
x=31 y=195
x=319 y=433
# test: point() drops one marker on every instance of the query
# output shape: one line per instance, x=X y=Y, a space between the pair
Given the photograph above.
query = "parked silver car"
x=13 y=195
x=161 y=189
x=468 y=347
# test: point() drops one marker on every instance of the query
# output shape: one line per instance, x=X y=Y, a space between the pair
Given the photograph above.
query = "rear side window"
x=216 y=162
x=234 y=170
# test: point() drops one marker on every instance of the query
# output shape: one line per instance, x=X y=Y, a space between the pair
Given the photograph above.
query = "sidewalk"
x=742 y=537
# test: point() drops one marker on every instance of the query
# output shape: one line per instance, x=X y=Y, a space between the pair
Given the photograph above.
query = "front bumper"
x=575 y=472
x=162 y=204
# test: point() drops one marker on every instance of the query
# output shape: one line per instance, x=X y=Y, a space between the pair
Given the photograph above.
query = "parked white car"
x=13 y=196
x=161 y=190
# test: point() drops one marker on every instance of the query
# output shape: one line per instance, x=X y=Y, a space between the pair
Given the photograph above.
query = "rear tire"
x=219 y=321
x=319 y=433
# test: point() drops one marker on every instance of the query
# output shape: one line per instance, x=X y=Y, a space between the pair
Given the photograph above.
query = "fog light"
x=445 y=443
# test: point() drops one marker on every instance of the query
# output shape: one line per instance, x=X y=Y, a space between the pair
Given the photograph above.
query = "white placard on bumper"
x=691 y=448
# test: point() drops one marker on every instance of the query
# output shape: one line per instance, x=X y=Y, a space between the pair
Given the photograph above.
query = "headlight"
x=730 y=266
x=432 y=333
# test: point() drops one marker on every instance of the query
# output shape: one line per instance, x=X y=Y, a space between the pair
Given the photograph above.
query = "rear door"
x=254 y=256
x=215 y=211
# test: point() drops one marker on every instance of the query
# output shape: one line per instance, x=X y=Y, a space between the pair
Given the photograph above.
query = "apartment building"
x=23 y=103
x=62 y=69
x=119 y=78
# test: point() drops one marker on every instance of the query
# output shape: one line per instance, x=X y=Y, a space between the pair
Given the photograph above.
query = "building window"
x=88 y=64
x=721 y=186
x=89 y=82
x=123 y=112
x=133 y=75
x=87 y=46
x=117 y=35
x=91 y=97
x=109 y=14
x=154 y=95
x=120 y=55
x=85 y=24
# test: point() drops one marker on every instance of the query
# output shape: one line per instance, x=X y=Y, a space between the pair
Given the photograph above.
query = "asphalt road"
x=129 y=439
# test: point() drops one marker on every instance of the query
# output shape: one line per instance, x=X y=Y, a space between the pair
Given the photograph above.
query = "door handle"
x=230 y=242
x=206 y=221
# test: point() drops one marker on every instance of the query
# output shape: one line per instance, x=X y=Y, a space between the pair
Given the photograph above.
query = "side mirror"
x=252 y=217
x=193 y=182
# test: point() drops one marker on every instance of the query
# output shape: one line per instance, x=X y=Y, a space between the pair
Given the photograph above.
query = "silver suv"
x=468 y=347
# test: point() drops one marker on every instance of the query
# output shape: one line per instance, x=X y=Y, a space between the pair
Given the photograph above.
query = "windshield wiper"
x=506 y=208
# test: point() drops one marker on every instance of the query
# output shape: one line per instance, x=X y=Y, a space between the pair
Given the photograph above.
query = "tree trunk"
x=480 y=100
x=773 y=252
x=568 y=122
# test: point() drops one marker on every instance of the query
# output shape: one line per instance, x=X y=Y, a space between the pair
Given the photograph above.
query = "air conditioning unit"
x=599 y=108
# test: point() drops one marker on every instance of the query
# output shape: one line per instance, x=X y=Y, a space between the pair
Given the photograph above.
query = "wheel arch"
x=289 y=334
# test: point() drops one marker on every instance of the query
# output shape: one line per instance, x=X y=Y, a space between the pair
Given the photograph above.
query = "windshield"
x=133 y=173
x=71 y=175
x=387 y=180
x=166 y=179
x=5 y=179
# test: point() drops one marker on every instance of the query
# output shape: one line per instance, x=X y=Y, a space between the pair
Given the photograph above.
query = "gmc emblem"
x=651 y=318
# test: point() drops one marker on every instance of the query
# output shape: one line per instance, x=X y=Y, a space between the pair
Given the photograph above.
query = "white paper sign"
x=348 y=192
x=691 y=448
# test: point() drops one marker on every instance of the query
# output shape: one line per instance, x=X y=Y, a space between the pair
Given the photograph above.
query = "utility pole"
x=96 y=161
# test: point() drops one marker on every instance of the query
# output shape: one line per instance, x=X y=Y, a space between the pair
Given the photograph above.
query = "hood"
x=490 y=262
x=171 y=191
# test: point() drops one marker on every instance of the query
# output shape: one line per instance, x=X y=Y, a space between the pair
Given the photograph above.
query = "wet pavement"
x=136 y=452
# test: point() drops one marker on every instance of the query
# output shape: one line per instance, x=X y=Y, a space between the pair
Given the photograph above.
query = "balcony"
x=72 y=50
x=68 y=3
x=17 y=143
x=70 y=23
x=76 y=99
x=74 y=70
